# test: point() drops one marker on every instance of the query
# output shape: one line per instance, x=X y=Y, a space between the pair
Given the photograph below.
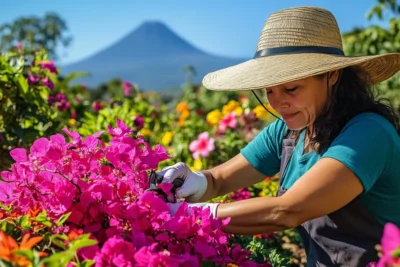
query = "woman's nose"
x=278 y=100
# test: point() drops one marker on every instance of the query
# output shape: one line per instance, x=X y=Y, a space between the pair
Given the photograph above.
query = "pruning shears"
x=155 y=179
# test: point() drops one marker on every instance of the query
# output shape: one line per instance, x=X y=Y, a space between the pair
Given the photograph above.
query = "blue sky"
x=222 y=27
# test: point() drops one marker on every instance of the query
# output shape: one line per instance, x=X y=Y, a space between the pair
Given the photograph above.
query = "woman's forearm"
x=252 y=230
x=225 y=178
x=212 y=187
x=257 y=215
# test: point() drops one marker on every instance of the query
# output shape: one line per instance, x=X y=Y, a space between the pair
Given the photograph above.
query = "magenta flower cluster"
x=102 y=186
x=60 y=101
x=240 y=194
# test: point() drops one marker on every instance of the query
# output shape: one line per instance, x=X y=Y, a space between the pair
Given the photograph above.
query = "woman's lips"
x=289 y=116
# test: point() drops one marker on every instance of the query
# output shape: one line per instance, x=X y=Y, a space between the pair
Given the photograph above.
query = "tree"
x=375 y=40
x=33 y=32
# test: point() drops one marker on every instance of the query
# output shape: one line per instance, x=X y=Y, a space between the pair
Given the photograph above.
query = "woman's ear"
x=333 y=77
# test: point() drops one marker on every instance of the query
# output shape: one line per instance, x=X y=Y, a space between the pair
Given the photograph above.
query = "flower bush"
x=83 y=202
x=61 y=190
x=34 y=99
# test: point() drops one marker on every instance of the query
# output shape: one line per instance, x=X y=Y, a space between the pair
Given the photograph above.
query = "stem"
x=69 y=180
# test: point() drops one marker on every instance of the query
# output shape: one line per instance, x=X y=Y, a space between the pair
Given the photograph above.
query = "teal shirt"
x=368 y=145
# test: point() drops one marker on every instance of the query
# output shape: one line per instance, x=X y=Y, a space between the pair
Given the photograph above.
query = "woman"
x=336 y=148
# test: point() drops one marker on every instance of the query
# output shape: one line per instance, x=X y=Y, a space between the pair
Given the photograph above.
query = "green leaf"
x=80 y=243
x=42 y=218
x=87 y=263
x=59 y=243
x=24 y=222
x=207 y=263
x=58 y=259
x=63 y=218
x=4 y=263
x=396 y=253
x=26 y=253
x=23 y=83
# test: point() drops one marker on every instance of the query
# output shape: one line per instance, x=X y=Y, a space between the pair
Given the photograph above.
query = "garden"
x=75 y=165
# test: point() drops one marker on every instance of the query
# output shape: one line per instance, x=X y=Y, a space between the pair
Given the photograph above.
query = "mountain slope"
x=152 y=56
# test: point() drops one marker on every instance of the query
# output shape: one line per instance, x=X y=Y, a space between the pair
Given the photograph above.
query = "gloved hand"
x=195 y=183
x=213 y=207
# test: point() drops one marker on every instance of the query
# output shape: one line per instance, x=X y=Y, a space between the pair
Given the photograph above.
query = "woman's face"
x=301 y=102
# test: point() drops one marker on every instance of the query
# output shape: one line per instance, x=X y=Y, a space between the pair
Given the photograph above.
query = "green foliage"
x=267 y=250
x=376 y=40
x=25 y=112
x=33 y=32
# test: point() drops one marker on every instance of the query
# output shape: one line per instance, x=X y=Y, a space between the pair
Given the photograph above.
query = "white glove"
x=195 y=183
x=204 y=205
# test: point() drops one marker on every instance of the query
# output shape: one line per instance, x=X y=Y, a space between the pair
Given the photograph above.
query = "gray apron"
x=346 y=237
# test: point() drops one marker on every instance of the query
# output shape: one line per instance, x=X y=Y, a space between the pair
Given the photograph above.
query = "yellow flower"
x=239 y=111
x=167 y=138
x=232 y=106
x=261 y=113
x=145 y=132
x=197 y=165
x=182 y=106
x=71 y=122
x=213 y=117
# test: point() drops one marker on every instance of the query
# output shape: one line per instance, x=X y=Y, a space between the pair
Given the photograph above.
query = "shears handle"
x=177 y=182
x=155 y=179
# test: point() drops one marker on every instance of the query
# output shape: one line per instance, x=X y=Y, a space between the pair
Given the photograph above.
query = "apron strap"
x=287 y=151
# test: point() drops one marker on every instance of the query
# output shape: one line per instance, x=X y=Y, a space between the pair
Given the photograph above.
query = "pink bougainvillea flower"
x=97 y=105
x=19 y=154
x=120 y=130
x=73 y=114
x=77 y=138
x=46 y=82
x=60 y=101
x=20 y=47
x=228 y=121
x=166 y=187
x=127 y=88
x=139 y=122
x=116 y=252
x=390 y=245
x=33 y=79
x=103 y=187
x=203 y=145
x=48 y=65
x=6 y=192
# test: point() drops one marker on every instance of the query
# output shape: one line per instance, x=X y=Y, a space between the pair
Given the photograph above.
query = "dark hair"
x=352 y=96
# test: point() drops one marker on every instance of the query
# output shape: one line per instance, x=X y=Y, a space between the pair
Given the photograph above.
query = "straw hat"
x=296 y=43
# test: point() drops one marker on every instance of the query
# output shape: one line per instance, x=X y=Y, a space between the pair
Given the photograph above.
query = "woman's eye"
x=269 y=91
x=291 y=90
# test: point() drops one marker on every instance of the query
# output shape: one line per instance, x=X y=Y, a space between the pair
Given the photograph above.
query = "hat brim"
x=274 y=70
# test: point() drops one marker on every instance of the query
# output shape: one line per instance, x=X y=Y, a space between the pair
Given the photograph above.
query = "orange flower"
x=8 y=245
x=35 y=210
x=182 y=106
x=184 y=115
x=74 y=234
